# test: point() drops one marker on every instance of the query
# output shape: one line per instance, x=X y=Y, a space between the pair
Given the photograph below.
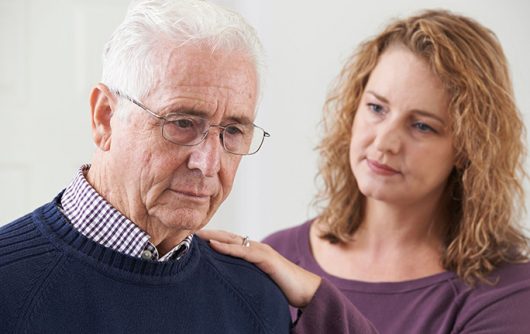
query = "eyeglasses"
x=190 y=130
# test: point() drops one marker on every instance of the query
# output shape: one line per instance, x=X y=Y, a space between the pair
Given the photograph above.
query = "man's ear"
x=102 y=105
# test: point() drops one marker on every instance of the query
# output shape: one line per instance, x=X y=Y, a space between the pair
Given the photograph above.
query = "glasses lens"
x=190 y=130
x=184 y=129
x=242 y=139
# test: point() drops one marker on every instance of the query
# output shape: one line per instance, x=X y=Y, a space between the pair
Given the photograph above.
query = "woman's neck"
x=399 y=226
x=393 y=243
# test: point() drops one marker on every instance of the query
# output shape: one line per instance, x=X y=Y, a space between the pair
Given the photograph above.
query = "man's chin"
x=185 y=219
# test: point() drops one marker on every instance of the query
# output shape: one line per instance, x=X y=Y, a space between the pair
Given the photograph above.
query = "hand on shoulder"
x=298 y=285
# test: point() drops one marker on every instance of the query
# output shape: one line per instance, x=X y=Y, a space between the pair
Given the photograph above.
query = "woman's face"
x=401 y=149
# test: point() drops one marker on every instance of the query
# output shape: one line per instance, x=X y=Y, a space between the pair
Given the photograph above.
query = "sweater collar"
x=54 y=225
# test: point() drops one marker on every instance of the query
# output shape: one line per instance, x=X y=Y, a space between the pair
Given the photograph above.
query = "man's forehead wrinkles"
x=238 y=90
x=206 y=106
x=217 y=95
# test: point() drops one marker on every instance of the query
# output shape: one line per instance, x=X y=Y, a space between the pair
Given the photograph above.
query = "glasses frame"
x=204 y=134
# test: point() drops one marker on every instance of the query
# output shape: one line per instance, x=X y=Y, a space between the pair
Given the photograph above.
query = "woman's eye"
x=423 y=127
x=376 y=108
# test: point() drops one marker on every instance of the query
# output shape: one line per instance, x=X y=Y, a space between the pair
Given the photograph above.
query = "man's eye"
x=183 y=123
x=234 y=130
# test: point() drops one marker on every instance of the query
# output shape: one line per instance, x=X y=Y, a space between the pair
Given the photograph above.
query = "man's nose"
x=206 y=156
x=389 y=137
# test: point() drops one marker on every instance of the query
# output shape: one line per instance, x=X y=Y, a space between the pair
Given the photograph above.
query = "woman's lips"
x=381 y=169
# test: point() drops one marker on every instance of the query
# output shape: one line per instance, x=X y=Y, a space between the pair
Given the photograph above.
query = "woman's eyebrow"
x=416 y=111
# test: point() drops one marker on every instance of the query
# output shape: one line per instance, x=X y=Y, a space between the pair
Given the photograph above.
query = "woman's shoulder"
x=503 y=302
x=292 y=242
x=512 y=273
x=508 y=277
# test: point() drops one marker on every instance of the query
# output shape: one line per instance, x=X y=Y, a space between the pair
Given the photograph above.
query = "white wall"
x=51 y=58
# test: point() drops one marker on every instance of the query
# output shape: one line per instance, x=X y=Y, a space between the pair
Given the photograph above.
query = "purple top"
x=441 y=303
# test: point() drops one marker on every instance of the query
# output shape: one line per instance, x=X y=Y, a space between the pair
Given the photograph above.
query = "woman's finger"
x=231 y=249
x=255 y=253
x=222 y=236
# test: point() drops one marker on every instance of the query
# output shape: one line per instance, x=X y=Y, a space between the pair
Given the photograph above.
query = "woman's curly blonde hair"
x=484 y=194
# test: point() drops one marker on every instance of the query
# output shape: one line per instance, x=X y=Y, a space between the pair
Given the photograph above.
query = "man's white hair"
x=129 y=57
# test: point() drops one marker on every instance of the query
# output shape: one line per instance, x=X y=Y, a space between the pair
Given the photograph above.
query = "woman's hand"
x=298 y=285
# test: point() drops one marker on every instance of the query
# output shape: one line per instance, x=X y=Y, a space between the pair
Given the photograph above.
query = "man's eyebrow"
x=188 y=111
x=238 y=119
x=200 y=113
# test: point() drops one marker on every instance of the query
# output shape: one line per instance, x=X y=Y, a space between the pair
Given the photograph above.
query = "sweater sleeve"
x=331 y=312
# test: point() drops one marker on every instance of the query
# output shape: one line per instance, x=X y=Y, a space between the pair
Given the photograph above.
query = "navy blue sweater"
x=54 y=280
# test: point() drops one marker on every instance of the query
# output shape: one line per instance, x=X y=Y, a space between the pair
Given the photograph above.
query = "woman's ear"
x=103 y=104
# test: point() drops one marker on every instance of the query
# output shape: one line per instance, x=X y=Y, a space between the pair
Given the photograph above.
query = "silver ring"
x=246 y=242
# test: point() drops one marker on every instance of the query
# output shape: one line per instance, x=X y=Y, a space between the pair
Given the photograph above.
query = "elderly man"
x=115 y=252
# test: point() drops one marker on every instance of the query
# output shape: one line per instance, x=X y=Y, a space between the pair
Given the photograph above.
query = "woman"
x=422 y=165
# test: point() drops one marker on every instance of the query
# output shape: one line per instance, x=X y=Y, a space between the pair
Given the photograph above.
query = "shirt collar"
x=98 y=220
